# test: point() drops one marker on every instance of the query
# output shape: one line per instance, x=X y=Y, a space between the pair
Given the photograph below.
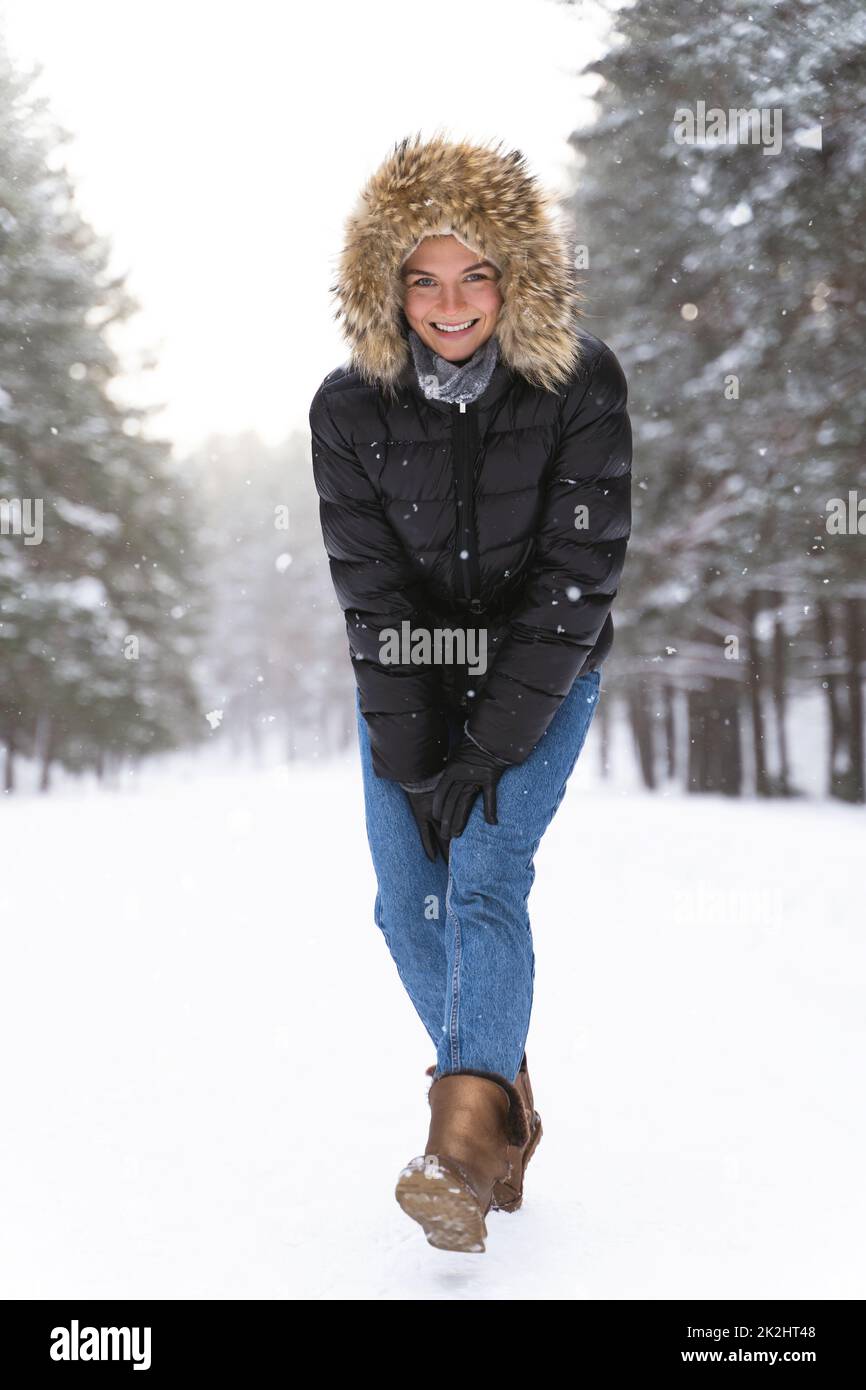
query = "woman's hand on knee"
x=470 y=769
x=421 y=803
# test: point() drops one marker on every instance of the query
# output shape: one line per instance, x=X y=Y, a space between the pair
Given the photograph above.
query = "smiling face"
x=444 y=282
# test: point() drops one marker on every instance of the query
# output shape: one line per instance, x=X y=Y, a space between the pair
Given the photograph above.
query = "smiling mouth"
x=455 y=330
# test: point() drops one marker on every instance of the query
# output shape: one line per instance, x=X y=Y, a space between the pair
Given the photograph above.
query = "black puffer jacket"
x=510 y=513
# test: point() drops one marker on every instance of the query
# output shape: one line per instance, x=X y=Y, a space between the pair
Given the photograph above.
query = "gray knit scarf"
x=441 y=380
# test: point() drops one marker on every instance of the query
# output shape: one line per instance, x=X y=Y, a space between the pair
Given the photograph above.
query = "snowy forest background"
x=191 y=961
x=176 y=602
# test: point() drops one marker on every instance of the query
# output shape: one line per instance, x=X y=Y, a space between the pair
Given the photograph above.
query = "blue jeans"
x=459 y=933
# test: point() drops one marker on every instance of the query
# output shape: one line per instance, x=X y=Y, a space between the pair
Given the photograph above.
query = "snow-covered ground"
x=212 y=1076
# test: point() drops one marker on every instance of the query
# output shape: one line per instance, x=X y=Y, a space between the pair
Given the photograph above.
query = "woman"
x=473 y=461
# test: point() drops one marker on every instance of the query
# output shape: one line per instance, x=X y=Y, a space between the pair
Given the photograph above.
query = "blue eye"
x=473 y=273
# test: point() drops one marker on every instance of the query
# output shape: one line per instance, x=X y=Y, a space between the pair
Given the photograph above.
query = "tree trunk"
x=642 y=731
x=752 y=604
x=604 y=721
x=780 y=702
x=670 y=728
x=830 y=683
x=715 y=762
x=726 y=772
x=855 y=780
x=697 y=769
x=9 y=773
x=45 y=741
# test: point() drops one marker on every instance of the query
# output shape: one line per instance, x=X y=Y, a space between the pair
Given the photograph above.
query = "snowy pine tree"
x=97 y=603
x=731 y=282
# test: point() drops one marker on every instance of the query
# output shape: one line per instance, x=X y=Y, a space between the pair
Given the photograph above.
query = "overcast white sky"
x=220 y=146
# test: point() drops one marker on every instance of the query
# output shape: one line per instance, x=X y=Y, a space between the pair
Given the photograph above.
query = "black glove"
x=421 y=803
x=470 y=769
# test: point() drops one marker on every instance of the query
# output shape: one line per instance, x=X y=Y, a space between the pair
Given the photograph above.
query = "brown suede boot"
x=508 y=1191
x=476 y=1117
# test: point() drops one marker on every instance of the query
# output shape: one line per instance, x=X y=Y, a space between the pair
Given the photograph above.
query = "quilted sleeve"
x=581 y=539
x=377 y=590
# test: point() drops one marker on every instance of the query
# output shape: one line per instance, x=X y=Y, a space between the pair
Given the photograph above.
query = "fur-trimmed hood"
x=488 y=199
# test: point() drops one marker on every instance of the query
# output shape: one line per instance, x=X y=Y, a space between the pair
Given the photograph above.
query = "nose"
x=451 y=302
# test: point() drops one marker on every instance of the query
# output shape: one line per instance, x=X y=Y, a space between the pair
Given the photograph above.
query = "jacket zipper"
x=465 y=456
x=467 y=578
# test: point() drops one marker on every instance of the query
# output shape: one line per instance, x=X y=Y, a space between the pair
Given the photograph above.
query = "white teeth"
x=453 y=327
